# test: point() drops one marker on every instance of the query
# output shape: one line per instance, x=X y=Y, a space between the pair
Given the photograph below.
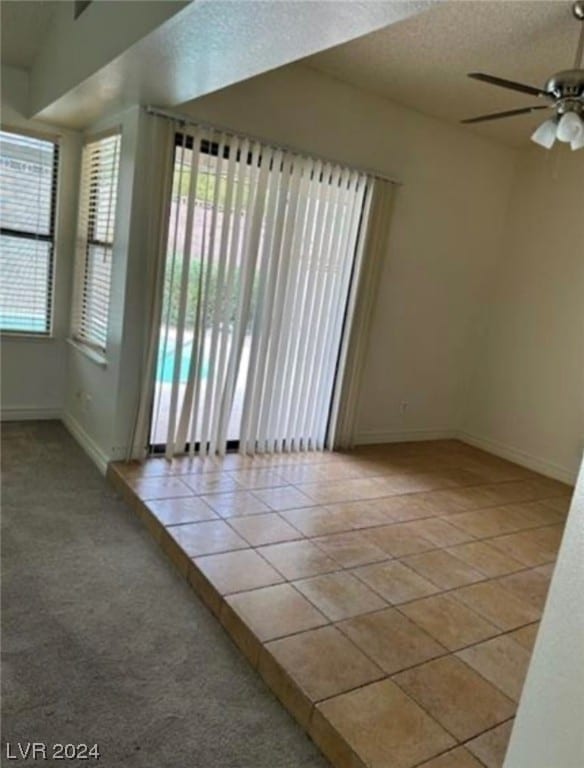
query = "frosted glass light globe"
x=545 y=134
x=570 y=128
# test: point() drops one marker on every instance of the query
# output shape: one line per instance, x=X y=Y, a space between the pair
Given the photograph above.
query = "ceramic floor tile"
x=526 y=635
x=182 y=510
x=451 y=501
x=272 y=612
x=396 y=509
x=412 y=482
x=298 y=559
x=360 y=514
x=397 y=540
x=237 y=571
x=317 y=521
x=134 y=471
x=439 y=532
x=161 y=488
x=345 y=490
x=210 y=482
x=287 y=497
x=321 y=662
x=549 y=537
x=545 y=487
x=559 y=504
x=264 y=529
x=491 y=746
x=510 y=493
x=456 y=696
x=236 y=504
x=391 y=640
x=527 y=585
x=449 y=621
x=206 y=538
x=443 y=569
x=497 y=605
x=257 y=478
x=381 y=725
x=539 y=513
x=485 y=523
x=546 y=570
x=350 y=549
x=533 y=547
x=456 y=758
x=395 y=582
x=340 y=595
x=324 y=472
x=501 y=661
x=487 y=559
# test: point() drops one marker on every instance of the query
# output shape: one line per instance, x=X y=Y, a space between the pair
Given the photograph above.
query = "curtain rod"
x=186 y=120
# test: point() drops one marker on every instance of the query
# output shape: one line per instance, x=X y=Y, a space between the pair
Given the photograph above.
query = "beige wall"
x=527 y=392
x=100 y=398
x=445 y=235
x=34 y=368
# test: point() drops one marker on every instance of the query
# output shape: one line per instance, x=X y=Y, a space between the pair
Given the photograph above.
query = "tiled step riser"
x=280 y=683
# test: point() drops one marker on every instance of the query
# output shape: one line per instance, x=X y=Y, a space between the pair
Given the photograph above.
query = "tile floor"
x=389 y=597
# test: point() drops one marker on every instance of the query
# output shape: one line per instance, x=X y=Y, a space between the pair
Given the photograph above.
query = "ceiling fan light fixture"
x=565 y=91
x=570 y=128
x=545 y=134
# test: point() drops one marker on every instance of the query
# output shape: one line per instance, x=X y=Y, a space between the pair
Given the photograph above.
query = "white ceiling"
x=24 y=24
x=202 y=48
x=422 y=62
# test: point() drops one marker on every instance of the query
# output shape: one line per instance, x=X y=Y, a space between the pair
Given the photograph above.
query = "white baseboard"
x=520 y=457
x=412 y=435
x=90 y=447
x=25 y=413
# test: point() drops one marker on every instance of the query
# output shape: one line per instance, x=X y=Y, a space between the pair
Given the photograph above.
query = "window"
x=95 y=239
x=28 y=187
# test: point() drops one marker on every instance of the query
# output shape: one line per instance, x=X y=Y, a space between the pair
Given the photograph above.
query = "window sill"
x=91 y=354
x=24 y=336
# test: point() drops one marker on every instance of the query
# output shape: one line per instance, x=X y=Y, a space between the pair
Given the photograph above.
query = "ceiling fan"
x=564 y=91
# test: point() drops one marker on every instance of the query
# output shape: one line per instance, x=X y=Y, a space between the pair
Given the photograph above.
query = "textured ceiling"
x=422 y=62
x=24 y=23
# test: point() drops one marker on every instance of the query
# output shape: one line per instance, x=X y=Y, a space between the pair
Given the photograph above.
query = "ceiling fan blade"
x=499 y=115
x=511 y=84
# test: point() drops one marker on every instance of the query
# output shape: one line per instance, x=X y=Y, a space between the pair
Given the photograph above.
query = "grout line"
x=458 y=741
x=458 y=745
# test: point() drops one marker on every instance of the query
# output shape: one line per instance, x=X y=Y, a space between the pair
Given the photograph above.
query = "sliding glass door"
x=199 y=320
x=259 y=262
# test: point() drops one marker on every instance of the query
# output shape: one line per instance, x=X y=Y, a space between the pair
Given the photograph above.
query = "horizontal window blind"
x=95 y=239
x=28 y=189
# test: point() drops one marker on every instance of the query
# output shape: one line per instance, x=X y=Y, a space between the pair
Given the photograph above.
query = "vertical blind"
x=28 y=188
x=261 y=249
x=95 y=239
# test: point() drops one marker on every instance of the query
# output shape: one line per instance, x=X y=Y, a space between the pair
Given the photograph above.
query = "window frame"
x=50 y=237
x=95 y=351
